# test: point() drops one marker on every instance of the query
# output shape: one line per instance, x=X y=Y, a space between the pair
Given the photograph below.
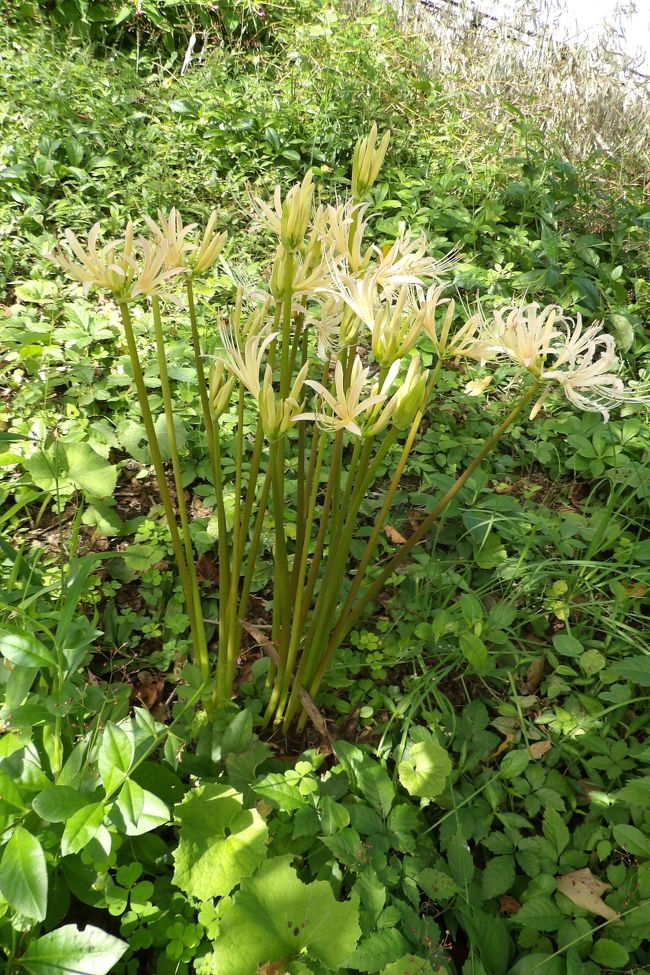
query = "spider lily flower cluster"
x=341 y=348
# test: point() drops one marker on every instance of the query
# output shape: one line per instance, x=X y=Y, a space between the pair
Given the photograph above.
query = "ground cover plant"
x=469 y=790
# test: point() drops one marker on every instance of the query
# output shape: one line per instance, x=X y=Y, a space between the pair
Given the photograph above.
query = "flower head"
x=367 y=160
x=346 y=405
x=246 y=367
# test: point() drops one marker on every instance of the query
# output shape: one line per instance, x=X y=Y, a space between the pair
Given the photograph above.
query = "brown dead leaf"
x=585 y=891
x=539 y=748
x=636 y=591
x=534 y=675
x=393 y=536
x=147 y=689
x=272 y=968
x=207 y=570
x=508 y=905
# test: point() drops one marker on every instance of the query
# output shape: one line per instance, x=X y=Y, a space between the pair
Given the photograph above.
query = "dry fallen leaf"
x=508 y=904
x=393 y=536
x=534 y=675
x=539 y=748
x=585 y=891
x=272 y=968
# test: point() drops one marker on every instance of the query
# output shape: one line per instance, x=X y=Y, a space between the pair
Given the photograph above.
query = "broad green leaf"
x=238 y=736
x=426 y=770
x=23 y=649
x=69 y=950
x=409 y=965
x=474 y=650
x=540 y=914
x=498 y=876
x=634 y=669
x=115 y=756
x=379 y=949
x=514 y=763
x=436 y=884
x=610 y=954
x=632 y=839
x=154 y=812
x=490 y=936
x=274 y=916
x=89 y=471
x=461 y=862
x=82 y=827
x=23 y=875
x=376 y=787
x=57 y=803
x=220 y=842
x=285 y=795
x=555 y=831
x=130 y=801
x=543 y=964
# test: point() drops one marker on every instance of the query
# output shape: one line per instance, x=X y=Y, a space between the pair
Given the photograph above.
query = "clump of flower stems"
x=327 y=356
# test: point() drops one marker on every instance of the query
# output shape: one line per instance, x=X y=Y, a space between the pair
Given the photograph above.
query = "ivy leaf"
x=23 y=875
x=426 y=769
x=69 y=950
x=220 y=842
x=274 y=916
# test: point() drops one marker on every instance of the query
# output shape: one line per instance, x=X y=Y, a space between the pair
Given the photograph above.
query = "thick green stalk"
x=156 y=458
x=281 y=577
x=380 y=520
x=203 y=386
x=295 y=631
x=202 y=650
x=346 y=622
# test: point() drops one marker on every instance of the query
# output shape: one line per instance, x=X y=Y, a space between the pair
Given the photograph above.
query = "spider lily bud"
x=220 y=389
x=366 y=162
x=278 y=415
x=296 y=211
x=276 y=284
x=408 y=397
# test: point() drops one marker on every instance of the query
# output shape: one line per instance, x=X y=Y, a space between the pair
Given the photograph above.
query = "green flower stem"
x=203 y=386
x=281 y=578
x=296 y=631
x=254 y=545
x=285 y=370
x=347 y=622
x=380 y=521
x=332 y=581
x=165 y=497
x=202 y=650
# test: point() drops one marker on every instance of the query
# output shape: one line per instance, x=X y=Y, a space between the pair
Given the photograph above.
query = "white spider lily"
x=128 y=268
x=346 y=406
x=277 y=414
x=246 y=367
x=170 y=231
x=289 y=218
x=327 y=325
x=525 y=335
x=339 y=232
x=208 y=250
x=366 y=162
x=406 y=262
x=396 y=328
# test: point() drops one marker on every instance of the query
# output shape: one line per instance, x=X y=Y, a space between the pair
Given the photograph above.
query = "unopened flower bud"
x=220 y=390
x=296 y=212
x=366 y=162
x=408 y=397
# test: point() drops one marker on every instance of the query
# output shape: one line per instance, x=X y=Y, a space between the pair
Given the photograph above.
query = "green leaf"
x=555 y=830
x=610 y=954
x=70 y=950
x=23 y=875
x=409 y=965
x=436 y=884
x=81 y=828
x=514 y=763
x=377 y=950
x=130 y=802
x=115 y=756
x=632 y=840
x=489 y=934
x=426 y=769
x=461 y=862
x=376 y=786
x=540 y=914
x=220 y=842
x=57 y=803
x=285 y=795
x=634 y=669
x=90 y=472
x=498 y=876
x=474 y=650
x=23 y=649
x=238 y=736
x=274 y=916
